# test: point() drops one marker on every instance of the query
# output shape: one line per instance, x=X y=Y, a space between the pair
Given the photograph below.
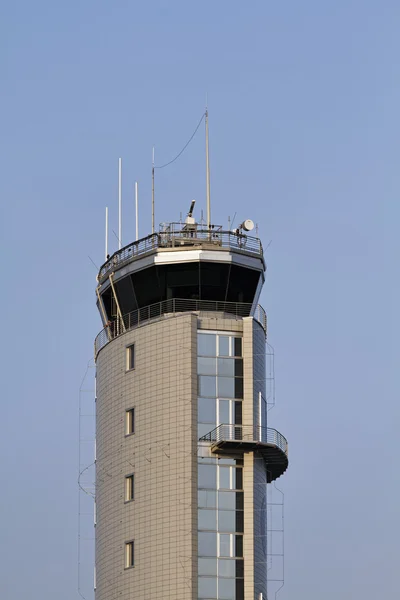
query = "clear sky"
x=304 y=104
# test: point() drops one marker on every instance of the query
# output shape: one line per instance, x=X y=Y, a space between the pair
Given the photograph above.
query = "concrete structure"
x=184 y=454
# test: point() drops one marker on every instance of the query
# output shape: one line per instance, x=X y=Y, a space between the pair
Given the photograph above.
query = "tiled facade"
x=161 y=453
x=165 y=520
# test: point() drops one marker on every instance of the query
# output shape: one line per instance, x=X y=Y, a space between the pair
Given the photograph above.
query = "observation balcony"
x=272 y=445
x=178 y=236
x=143 y=315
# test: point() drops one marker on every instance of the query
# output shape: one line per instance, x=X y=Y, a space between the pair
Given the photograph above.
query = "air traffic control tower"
x=184 y=454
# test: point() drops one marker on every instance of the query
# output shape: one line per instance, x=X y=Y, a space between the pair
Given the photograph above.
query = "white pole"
x=106 y=253
x=152 y=195
x=208 y=176
x=119 y=203
x=137 y=210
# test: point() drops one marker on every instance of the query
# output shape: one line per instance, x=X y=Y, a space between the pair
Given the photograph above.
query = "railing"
x=174 y=305
x=246 y=433
x=174 y=237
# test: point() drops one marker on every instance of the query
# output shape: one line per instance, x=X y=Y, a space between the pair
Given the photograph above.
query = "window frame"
x=130 y=351
x=129 y=554
x=130 y=421
x=129 y=487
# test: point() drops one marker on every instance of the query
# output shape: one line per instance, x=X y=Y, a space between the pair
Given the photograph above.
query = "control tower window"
x=130 y=357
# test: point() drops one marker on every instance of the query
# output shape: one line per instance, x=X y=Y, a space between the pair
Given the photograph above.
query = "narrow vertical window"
x=129 y=487
x=130 y=421
x=130 y=357
x=129 y=555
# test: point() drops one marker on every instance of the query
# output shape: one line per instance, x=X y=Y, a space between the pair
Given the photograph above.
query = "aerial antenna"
x=152 y=194
x=208 y=175
x=120 y=202
x=137 y=210
x=106 y=249
x=191 y=209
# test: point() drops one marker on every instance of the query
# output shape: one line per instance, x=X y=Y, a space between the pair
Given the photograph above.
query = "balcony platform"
x=237 y=439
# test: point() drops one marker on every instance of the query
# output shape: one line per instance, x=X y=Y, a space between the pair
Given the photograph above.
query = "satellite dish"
x=247 y=225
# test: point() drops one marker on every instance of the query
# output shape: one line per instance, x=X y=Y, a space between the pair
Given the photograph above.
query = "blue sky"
x=304 y=100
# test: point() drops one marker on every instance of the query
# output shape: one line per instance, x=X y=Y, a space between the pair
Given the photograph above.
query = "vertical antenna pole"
x=106 y=252
x=137 y=210
x=152 y=194
x=208 y=176
x=119 y=203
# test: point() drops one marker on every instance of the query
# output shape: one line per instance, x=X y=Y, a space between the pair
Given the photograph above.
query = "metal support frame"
x=103 y=313
x=116 y=302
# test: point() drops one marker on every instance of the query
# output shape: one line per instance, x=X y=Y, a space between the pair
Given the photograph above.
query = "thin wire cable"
x=184 y=147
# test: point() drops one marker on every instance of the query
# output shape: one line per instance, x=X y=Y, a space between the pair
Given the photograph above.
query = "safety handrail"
x=246 y=433
x=142 y=315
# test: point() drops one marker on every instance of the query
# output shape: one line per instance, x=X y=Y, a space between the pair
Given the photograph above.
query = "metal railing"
x=140 y=316
x=180 y=237
x=246 y=433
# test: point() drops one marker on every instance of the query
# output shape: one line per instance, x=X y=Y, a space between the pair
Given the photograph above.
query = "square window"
x=227 y=520
x=207 y=520
x=206 y=410
x=129 y=555
x=227 y=568
x=225 y=545
x=223 y=345
x=207 y=541
x=224 y=412
x=208 y=587
x=129 y=487
x=130 y=421
x=206 y=366
x=226 y=367
x=207 y=499
x=224 y=478
x=227 y=500
x=207 y=566
x=226 y=589
x=206 y=344
x=207 y=475
x=130 y=357
x=226 y=387
x=207 y=386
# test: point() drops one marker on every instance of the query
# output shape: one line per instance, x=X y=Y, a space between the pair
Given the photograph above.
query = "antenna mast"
x=137 y=210
x=119 y=203
x=152 y=195
x=106 y=252
x=208 y=175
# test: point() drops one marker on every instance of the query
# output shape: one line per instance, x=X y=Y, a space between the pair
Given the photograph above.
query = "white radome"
x=248 y=225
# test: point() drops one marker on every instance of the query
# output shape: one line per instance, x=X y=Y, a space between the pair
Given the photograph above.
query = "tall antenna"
x=119 y=203
x=137 y=210
x=152 y=194
x=106 y=250
x=208 y=175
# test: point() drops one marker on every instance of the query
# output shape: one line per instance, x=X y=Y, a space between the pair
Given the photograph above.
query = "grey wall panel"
x=161 y=453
